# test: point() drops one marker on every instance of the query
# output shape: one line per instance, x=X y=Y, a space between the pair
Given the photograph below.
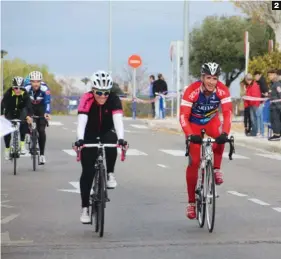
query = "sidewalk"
x=237 y=131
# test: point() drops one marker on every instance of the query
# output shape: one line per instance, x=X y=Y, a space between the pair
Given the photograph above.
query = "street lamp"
x=110 y=39
x=3 y=53
x=186 y=43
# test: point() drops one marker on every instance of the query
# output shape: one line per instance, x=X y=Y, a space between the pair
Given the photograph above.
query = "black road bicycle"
x=15 y=143
x=100 y=196
x=206 y=188
x=33 y=141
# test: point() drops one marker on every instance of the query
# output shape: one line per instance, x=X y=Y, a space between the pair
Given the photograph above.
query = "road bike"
x=100 y=196
x=15 y=143
x=32 y=141
x=206 y=189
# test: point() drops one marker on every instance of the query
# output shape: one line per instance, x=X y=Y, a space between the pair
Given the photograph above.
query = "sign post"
x=134 y=61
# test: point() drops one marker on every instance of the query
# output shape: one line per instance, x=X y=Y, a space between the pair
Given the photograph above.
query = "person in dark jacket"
x=264 y=93
x=151 y=94
x=16 y=104
x=247 y=116
x=275 y=104
x=159 y=87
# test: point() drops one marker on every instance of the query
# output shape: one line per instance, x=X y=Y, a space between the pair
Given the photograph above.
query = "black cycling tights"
x=41 y=126
x=88 y=159
x=7 y=138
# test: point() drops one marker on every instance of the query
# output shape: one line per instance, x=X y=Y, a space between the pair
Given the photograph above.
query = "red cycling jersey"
x=196 y=108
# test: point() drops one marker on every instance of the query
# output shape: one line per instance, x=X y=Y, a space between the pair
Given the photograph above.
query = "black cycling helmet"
x=211 y=68
x=18 y=81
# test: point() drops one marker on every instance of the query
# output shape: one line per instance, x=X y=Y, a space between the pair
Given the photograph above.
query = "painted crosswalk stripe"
x=133 y=152
x=173 y=152
x=55 y=123
x=138 y=126
x=237 y=193
x=277 y=209
x=130 y=152
x=257 y=201
x=70 y=152
x=9 y=218
x=182 y=153
x=160 y=165
x=235 y=156
x=271 y=156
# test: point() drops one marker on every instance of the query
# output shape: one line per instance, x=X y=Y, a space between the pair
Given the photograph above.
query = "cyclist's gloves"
x=196 y=139
x=79 y=143
x=122 y=142
x=222 y=138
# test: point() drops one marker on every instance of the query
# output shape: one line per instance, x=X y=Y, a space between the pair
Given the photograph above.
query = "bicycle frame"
x=206 y=157
x=15 y=139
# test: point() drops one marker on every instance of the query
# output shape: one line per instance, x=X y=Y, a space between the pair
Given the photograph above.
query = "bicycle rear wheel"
x=200 y=200
x=15 y=150
x=210 y=197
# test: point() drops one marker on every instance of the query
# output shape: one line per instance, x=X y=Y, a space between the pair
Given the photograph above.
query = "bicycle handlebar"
x=100 y=145
x=210 y=140
x=40 y=117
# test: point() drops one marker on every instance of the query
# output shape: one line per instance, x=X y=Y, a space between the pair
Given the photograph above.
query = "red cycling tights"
x=212 y=130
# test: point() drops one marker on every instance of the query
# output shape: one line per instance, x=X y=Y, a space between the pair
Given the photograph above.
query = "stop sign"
x=134 y=61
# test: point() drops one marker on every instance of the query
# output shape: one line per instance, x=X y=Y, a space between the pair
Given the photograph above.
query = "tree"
x=18 y=67
x=116 y=89
x=262 y=12
x=265 y=62
x=221 y=40
x=85 y=80
x=141 y=78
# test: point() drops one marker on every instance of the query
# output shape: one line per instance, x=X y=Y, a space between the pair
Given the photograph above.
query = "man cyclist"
x=16 y=105
x=100 y=114
x=41 y=99
x=200 y=110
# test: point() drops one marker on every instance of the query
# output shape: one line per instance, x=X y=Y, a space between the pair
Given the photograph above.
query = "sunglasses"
x=16 y=88
x=101 y=93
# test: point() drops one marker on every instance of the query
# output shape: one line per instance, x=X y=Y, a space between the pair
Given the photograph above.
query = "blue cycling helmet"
x=26 y=81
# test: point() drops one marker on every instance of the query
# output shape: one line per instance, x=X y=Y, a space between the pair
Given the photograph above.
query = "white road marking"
x=257 y=201
x=75 y=123
x=5 y=206
x=9 y=218
x=65 y=128
x=164 y=166
x=73 y=130
x=225 y=155
x=138 y=126
x=76 y=185
x=55 y=123
x=133 y=152
x=271 y=156
x=277 y=209
x=70 y=152
x=5 y=239
x=237 y=193
x=173 y=152
x=27 y=154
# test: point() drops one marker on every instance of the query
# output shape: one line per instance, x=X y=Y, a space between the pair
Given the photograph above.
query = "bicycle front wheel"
x=102 y=187
x=211 y=197
x=200 y=199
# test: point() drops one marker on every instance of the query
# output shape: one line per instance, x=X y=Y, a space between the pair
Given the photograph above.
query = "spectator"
x=151 y=95
x=253 y=90
x=247 y=117
x=275 y=107
x=159 y=87
x=264 y=93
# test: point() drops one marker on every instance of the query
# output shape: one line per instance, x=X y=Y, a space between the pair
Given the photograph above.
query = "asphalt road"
x=146 y=215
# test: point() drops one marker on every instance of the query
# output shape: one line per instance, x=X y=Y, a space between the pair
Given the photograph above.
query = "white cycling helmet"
x=101 y=80
x=35 y=75
x=211 y=68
